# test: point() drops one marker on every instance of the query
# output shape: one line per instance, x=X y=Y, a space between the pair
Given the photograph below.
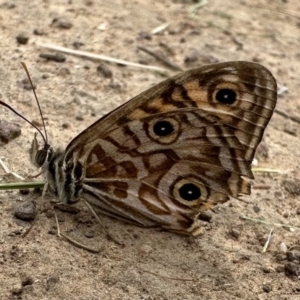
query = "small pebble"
x=293 y=255
x=146 y=249
x=144 y=35
x=205 y=216
x=105 y=71
x=26 y=211
x=195 y=56
x=115 y=85
x=65 y=125
x=256 y=209
x=283 y=248
x=292 y=186
x=62 y=23
x=267 y=288
x=22 y=38
x=291 y=268
x=38 y=32
x=8 y=132
x=54 y=57
x=17 y=290
x=27 y=281
x=24 y=191
x=77 y=44
x=235 y=233
x=266 y=270
x=79 y=118
x=90 y=233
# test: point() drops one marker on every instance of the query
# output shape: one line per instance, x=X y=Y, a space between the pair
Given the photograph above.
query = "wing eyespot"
x=164 y=130
x=226 y=96
x=227 y=93
x=189 y=192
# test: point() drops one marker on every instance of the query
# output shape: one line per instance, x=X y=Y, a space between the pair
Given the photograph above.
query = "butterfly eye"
x=41 y=157
x=226 y=96
x=189 y=191
x=164 y=131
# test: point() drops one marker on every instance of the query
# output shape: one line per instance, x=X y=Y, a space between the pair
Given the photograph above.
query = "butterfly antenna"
x=18 y=114
x=38 y=104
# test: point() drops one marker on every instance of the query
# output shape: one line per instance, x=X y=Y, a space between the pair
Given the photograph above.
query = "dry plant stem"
x=4 y=166
x=101 y=223
x=267 y=242
x=160 y=58
x=57 y=225
x=100 y=57
x=267 y=222
x=160 y=28
x=261 y=186
x=31 y=226
x=285 y=115
x=266 y=170
x=74 y=242
x=20 y=185
x=79 y=245
x=7 y=171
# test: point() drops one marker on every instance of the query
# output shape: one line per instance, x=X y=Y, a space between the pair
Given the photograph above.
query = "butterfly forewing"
x=176 y=149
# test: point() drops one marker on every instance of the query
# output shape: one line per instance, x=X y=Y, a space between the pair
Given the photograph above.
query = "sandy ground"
x=226 y=262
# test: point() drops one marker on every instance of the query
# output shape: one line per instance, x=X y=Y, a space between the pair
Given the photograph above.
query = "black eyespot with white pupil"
x=189 y=192
x=226 y=96
x=163 y=128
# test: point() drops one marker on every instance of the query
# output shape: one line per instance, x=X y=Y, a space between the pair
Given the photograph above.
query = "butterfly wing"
x=177 y=149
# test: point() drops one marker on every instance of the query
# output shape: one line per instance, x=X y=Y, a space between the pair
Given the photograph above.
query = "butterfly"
x=175 y=150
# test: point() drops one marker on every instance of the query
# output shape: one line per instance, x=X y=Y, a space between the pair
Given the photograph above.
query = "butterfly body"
x=173 y=151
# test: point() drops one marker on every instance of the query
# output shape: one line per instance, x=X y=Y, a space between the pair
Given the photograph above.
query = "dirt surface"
x=226 y=262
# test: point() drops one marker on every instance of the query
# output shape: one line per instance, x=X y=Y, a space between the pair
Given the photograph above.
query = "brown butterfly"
x=175 y=150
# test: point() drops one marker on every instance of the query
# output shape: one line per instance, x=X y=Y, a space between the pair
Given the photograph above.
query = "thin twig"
x=100 y=57
x=160 y=28
x=57 y=224
x=261 y=186
x=101 y=223
x=31 y=225
x=267 y=242
x=76 y=243
x=291 y=227
x=7 y=171
x=266 y=170
x=4 y=166
x=285 y=115
x=160 y=58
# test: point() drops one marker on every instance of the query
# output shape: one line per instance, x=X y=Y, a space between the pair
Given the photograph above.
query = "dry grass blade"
x=264 y=250
x=100 y=57
x=161 y=58
x=79 y=245
x=7 y=171
x=160 y=28
x=290 y=227
x=101 y=223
